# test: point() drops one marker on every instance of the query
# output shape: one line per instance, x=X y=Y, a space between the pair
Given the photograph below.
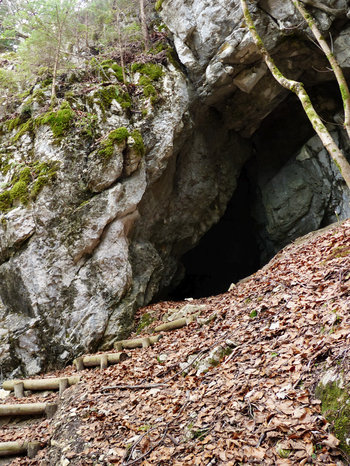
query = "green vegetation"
x=145 y=321
x=335 y=407
x=158 y=5
x=106 y=95
x=152 y=70
x=117 y=136
x=150 y=73
x=59 y=121
x=26 y=127
x=26 y=183
x=138 y=146
x=120 y=136
x=107 y=65
x=282 y=452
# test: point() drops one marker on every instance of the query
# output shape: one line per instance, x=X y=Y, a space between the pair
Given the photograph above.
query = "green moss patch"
x=111 y=65
x=138 y=143
x=107 y=94
x=26 y=127
x=59 y=121
x=335 y=406
x=117 y=136
x=21 y=119
x=158 y=5
x=120 y=136
x=145 y=321
x=26 y=183
x=152 y=70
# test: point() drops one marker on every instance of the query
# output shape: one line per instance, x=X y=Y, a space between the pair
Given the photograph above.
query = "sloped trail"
x=279 y=331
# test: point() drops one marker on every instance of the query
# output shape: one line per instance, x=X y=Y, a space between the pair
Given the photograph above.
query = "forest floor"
x=279 y=332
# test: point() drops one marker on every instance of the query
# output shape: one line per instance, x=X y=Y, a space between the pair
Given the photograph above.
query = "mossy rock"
x=335 y=406
x=27 y=127
x=152 y=70
x=138 y=146
x=5 y=201
x=22 y=118
x=107 y=94
x=60 y=121
x=111 y=65
x=26 y=183
x=117 y=136
x=19 y=192
x=145 y=321
x=120 y=136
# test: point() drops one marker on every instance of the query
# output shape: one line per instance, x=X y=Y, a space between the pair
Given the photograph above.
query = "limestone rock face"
x=306 y=193
x=97 y=228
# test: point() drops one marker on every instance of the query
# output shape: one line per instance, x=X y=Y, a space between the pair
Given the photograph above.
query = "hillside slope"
x=267 y=342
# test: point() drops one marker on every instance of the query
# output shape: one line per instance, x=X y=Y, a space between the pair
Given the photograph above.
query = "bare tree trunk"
x=54 y=76
x=121 y=47
x=57 y=56
x=144 y=24
x=343 y=86
x=87 y=30
x=298 y=88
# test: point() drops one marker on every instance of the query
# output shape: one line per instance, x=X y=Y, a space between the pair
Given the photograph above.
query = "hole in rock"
x=226 y=253
x=234 y=248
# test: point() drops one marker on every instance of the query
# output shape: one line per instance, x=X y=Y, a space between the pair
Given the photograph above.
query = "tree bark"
x=298 y=88
x=144 y=28
x=121 y=47
x=338 y=72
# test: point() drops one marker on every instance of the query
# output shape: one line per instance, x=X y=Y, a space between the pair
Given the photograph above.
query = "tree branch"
x=298 y=88
x=343 y=86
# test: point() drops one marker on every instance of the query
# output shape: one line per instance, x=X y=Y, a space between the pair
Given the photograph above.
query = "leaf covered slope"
x=280 y=331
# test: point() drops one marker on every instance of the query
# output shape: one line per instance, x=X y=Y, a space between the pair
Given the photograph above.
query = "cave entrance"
x=226 y=253
x=239 y=244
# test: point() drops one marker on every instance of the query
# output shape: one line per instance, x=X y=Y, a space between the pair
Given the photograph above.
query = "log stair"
x=23 y=387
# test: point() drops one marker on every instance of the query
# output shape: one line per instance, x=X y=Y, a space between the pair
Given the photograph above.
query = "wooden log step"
x=40 y=384
x=29 y=449
x=29 y=409
x=136 y=342
x=101 y=360
x=175 y=324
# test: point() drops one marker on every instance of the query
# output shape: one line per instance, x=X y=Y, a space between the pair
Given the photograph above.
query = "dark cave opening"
x=232 y=249
x=226 y=253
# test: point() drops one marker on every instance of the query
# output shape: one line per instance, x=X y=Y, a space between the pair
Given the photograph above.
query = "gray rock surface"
x=305 y=194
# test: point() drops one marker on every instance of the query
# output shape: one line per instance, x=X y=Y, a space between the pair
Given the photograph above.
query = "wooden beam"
x=19 y=448
x=95 y=360
x=135 y=342
x=29 y=409
x=40 y=384
x=13 y=448
x=18 y=389
x=175 y=324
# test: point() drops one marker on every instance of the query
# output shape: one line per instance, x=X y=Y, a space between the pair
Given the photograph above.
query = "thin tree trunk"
x=298 y=88
x=57 y=57
x=144 y=24
x=343 y=86
x=54 y=76
x=87 y=30
x=121 y=48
